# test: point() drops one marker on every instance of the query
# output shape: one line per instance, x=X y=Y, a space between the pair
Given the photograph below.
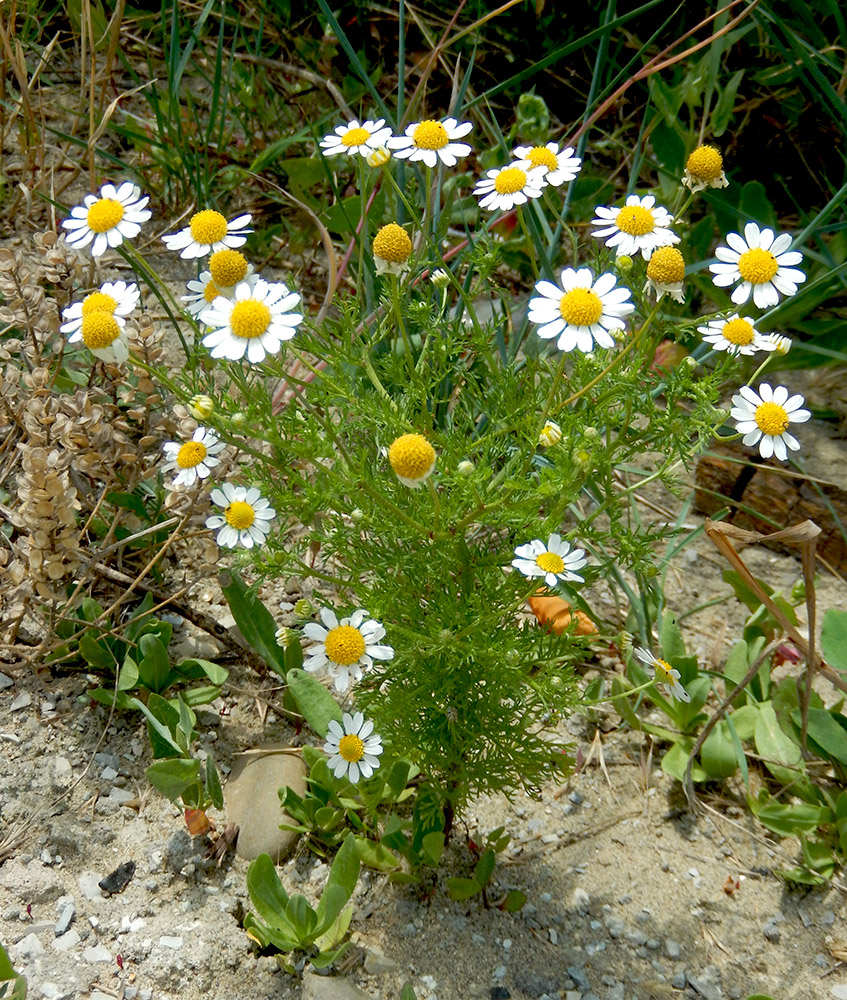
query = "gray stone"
x=771 y=932
x=167 y=941
x=66 y=915
x=5 y=682
x=678 y=982
x=67 y=941
x=30 y=883
x=89 y=883
x=29 y=947
x=109 y=774
x=580 y=900
x=706 y=984
x=121 y=795
x=330 y=988
x=672 y=949
x=535 y=985
x=839 y=992
x=252 y=801
x=376 y=963
x=107 y=759
x=579 y=977
x=23 y=700
x=97 y=953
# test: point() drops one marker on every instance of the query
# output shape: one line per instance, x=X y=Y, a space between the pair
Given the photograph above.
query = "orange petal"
x=558 y=614
x=197 y=822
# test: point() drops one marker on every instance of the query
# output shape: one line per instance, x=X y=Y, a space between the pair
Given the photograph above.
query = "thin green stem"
x=530 y=245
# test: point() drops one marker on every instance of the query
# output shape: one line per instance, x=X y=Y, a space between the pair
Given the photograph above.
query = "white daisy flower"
x=345 y=649
x=505 y=187
x=781 y=344
x=352 y=138
x=704 y=168
x=553 y=561
x=431 y=141
x=412 y=458
x=666 y=273
x=582 y=311
x=559 y=166
x=764 y=417
x=641 y=226
x=550 y=434
x=204 y=290
x=736 y=335
x=246 y=516
x=392 y=248
x=253 y=323
x=667 y=675
x=353 y=747
x=114 y=297
x=195 y=459
x=116 y=215
x=104 y=335
x=761 y=262
x=207 y=232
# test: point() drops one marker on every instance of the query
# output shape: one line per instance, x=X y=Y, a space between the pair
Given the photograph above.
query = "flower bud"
x=239 y=419
x=284 y=637
x=303 y=608
x=357 y=515
x=623 y=264
x=379 y=157
x=440 y=278
x=201 y=407
x=465 y=468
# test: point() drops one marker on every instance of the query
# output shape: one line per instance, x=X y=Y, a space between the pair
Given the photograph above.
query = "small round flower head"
x=554 y=561
x=354 y=138
x=665 y=673
x=378 y=157
x=440 y=278
x=581 y=312
x=412 y=458
x=760 y=263
x=284 y=636
x=550 y=434
x=193 y=459
x=344 y=649
x=106 y=221
x=763 y=418
x=115 y=297
x=704 y=168
x=735 y=335
x=560 y=166
x=392 y=249
x=207 y=232
x=201 y=407
x=229 y=268
x=781 y=344
x=666 y=273
x=253 y=323
x=505 y=187
x=431 y=141
x=353 y=747
x=103 y=334
x=246 y=517
x=641 y=226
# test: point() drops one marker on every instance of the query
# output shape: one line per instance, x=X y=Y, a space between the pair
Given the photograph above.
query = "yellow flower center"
x=550 y=562
x=757 y=266
x=430 y=135
x=772 y=418
x=351 y=748
x=104 y=215
x=581 y=307
x=355 y=137
x=378 y=157
x=201 y=406
x=190 y=454
x=667 y=266
x=665 y=669
x=540 y=156
x=239 y=515
x=99 y=329
x=249 y=319
x=98 y=302
x=228 y=267
x=207 y=227
x=211 y=291
x=509 y=180
x=392 y=243
x=411 y=456
x=705 y=163
x=738 y=331
x=344 y=645
x=635 y=220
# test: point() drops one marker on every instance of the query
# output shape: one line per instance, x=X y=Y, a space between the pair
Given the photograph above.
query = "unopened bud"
x=379 y=157
x=201 y=407
x=591 y=433
x=551 y=433
x=303 y=608
x=440 y=278
x=239 y=419
x=284 y=637
x=465 y=468
x=357 y=515
x=623 y=265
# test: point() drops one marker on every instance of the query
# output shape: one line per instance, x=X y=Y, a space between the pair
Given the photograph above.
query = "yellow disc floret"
x=757 y=266
x=738 y=331
x=207 y=227
x=392 y=243
x=667 y=266
x=430 y=135
x=190 y=454
x=550 y=562
x=540 y=156
x=211 y=291
x=98 y=302
x=344 y=645
x=411 y=456
x=635 y=220
x=227 y=267
x=239 y=515
x=771 y=418
x=249 y=319
x=705 y=163
x=510 y=180
x=104 y=215
x=99 y=330
x=665 y=669
x=355 y=137
x=351 y=748
x=581 y=307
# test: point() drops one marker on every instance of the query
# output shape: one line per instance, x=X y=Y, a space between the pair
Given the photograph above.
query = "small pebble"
x=23 y=700
x=678 y=981
x=672 y=949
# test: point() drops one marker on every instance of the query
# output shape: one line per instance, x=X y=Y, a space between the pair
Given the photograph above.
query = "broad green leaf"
x=408 y=992
x=724 y=107
x=514 y=901
x=777 y=749
x=819 y=857
x=620 y=703
x=485 y=867
x=96 y=654
x=671 y=638
x=326 y=958
x=266 y=892
x=343 y=877
x=788 y=820
x=432 y=847
x=194 y=669
x=154 y=665
x=203 y=695
x=12 y=984
x=314 y=702
x=213 y=783
x=823 y=730
x=330 y=940
x=162 y=720
x=173 y=777
x=373 y=855
x=834 y=638
x=107 y=696
x=253 y=619
x=128 y=676
x=744 y=720
x=462 y=888
x=675 y=762
x=736 y=666
x=302 y=917
x=717 y=754
x=280 y=937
